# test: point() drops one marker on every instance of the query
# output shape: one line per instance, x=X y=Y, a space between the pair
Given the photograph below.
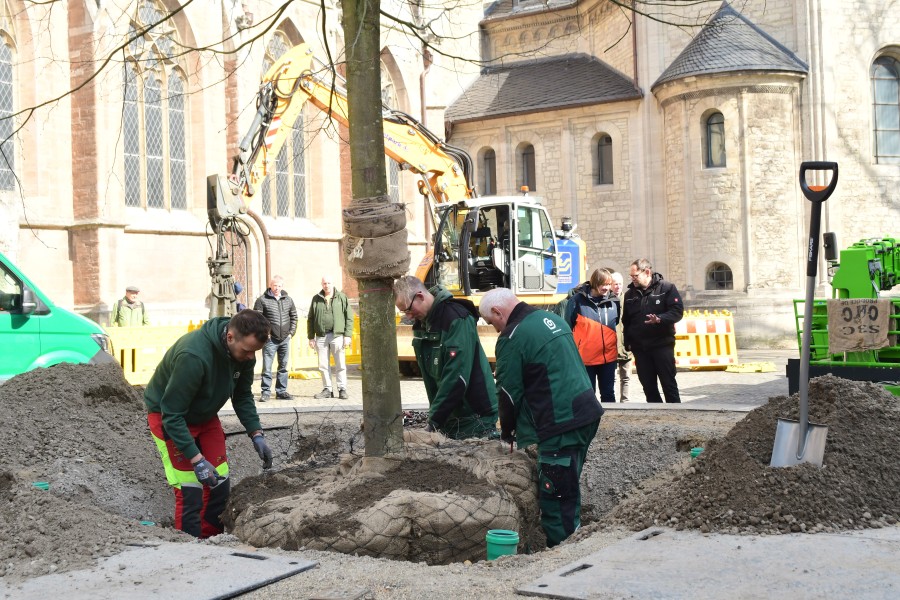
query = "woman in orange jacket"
x=593 y=313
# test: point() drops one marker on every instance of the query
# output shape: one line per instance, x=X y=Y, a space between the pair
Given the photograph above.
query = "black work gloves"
x=207 y=474
x=262 y=448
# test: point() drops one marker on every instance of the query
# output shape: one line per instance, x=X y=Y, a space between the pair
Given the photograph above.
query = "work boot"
x=284 y=396
x=342 y=394
x=264 y=397
x=325 y=393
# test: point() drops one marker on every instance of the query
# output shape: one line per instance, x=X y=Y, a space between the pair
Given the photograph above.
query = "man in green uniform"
x=196 y=376
x=546 y=398
x=462 y=398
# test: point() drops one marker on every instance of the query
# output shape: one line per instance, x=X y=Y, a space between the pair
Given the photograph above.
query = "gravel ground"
x=82 y=430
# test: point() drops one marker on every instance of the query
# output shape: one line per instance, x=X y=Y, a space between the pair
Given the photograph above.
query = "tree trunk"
x=382 y=412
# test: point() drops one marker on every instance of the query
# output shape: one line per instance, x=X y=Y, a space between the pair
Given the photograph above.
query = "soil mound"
x=731 y=488
x=82 y=431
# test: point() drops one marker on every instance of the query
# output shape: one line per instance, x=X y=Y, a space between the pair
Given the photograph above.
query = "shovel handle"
x=818 y=193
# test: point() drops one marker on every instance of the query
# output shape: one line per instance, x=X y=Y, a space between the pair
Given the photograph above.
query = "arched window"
x=389 y=99
x=489 y=173
x=525 y=169
x=154 y=114
x=283 y=191
x=714 y=140
x=7 y=126
x=719 y=277
x=603 y=160
x=886 y=105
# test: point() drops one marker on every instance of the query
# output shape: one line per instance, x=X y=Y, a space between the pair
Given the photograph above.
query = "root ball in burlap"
x=434 y=504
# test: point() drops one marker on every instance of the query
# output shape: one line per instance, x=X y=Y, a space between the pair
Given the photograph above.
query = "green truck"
x=34 y=332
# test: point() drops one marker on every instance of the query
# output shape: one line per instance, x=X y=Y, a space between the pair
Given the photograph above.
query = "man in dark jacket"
x=279 y=309
x=462 y=399
x=546 y=399
x=651 y=308
x=195 y=378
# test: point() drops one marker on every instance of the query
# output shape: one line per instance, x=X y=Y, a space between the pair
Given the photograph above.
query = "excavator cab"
x=481 y=245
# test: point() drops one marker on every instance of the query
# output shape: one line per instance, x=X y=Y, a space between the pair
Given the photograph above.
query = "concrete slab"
x=663 y=563
x=167 y=570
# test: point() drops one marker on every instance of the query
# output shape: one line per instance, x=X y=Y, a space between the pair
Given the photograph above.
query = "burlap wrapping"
x=437 y=527
x=856 y=324
x=375 y=239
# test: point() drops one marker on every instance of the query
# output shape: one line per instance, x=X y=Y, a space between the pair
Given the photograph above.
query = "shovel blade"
x=787 y=439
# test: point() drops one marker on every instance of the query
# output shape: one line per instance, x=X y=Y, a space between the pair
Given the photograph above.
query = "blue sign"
x=568 y=264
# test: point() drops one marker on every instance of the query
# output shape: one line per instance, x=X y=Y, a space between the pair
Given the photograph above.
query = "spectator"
x=462 y=398
x=329 y=328
x=652 y=306
x=196 y=376
x=129 y=311
x=593 y=314
x=279 y=309
x=545 y=398
x=238 y=288
x=625 y=361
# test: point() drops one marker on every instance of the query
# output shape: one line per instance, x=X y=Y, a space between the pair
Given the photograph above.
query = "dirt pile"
x=730 y=487
x=83 y=431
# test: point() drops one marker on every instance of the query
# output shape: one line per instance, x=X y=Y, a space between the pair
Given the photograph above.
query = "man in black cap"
x=129 y=311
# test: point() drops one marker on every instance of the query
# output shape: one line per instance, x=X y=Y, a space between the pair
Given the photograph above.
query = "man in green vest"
x=545 y=398
x=129 y=311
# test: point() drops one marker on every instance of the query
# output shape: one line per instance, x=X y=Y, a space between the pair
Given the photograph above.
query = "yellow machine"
x=479 y=244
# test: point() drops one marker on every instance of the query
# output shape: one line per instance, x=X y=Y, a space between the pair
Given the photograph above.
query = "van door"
x=20 y=339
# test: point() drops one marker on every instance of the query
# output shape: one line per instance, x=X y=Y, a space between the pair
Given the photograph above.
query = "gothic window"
x=489 y=173
x=603 y=160
x=526 y=167
x=719 y=277
x=154 y=114
x=389 y=100
x=714 y=140
x=283 y=191
x=886 y=105
x=7 y=124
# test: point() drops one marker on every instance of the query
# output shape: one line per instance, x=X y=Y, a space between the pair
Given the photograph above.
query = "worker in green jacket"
x=196 y=377
x=462 y=399
x=129 y=311
x=546 y=398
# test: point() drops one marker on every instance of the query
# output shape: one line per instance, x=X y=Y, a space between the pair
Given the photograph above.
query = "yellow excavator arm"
x=294 y=79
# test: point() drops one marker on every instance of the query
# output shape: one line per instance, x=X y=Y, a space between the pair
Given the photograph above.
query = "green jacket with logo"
x=543 y=385
x=457 y=375
x=195 y=379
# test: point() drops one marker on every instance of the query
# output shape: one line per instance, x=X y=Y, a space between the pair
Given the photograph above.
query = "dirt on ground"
x=81 y=432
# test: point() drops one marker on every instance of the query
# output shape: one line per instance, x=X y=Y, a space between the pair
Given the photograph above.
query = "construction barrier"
x=138 y=350
x=705 y=340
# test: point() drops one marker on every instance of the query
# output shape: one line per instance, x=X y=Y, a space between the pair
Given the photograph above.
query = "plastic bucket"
x=501 y=542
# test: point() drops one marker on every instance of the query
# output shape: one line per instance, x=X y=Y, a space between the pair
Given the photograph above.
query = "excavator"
x=479 y=243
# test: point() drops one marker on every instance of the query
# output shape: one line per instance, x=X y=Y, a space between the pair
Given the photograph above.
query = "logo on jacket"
x=549 y=323
x=237 y=374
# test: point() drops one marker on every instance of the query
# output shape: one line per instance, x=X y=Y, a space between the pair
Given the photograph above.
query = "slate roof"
x=730 y=42
x=506 y=8
x=540 y=85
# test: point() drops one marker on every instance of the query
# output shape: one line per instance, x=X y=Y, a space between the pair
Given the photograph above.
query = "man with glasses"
x=462 y=398
x=651 y=308
x=129 y=311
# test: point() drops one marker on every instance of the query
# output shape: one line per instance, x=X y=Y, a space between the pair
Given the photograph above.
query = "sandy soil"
x=83 y=431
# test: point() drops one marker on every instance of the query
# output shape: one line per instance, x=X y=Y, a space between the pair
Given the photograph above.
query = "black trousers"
x=657 y=364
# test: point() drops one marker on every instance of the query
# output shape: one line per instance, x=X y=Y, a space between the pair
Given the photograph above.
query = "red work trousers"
x=198 y=509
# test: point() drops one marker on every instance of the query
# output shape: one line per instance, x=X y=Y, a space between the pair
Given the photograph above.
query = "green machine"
x=863 y=270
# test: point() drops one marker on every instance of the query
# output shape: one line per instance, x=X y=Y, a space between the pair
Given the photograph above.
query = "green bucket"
x=501 y=542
